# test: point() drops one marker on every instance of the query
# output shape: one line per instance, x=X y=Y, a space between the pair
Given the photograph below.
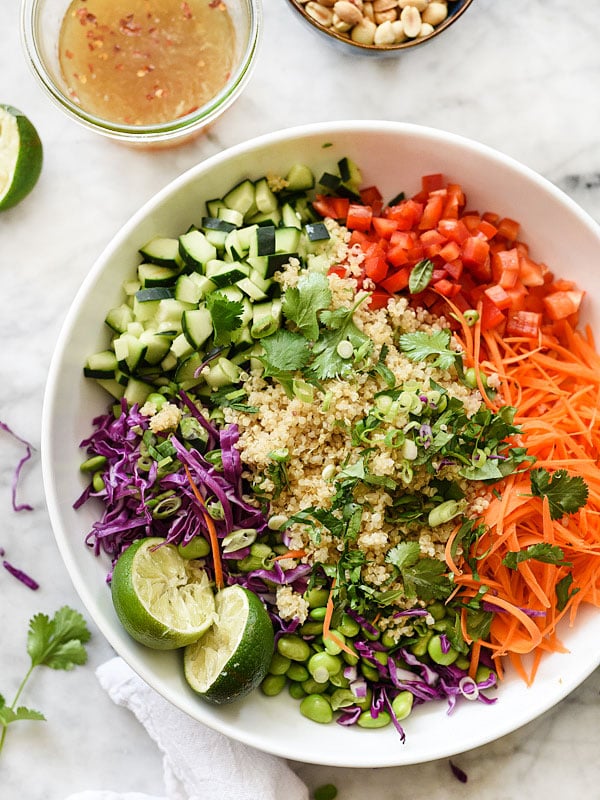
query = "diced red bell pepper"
x=498 y=296
x=560 y=305
x=359 y=217
x=486 y=229
x=446 y=288
x=371 y=196
x=476 y=258
x=491 y=315
x=455 y=200
x=407 y=214
x=384 y=227
x=432 y=213
x=375 y=264
x=508 y=228
x=454 y=268
x=523 y=323
x=396 y=281
x=338 y=269
x=397 y=255
x=453 y=229
x=450 y=251
x=506 y=267
x=378 y=299
x=430 y=183
x=335 y=207
x=530 y=272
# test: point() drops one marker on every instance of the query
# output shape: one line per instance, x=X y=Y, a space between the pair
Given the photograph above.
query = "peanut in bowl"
x=381 y=27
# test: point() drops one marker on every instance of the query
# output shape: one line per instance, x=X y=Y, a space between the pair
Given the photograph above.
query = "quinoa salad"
x=308 y=400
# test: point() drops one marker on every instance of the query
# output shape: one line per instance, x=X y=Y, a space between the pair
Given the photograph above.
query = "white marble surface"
x=523 y=77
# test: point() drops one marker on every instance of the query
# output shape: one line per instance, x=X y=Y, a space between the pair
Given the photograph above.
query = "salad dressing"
x=145 y=62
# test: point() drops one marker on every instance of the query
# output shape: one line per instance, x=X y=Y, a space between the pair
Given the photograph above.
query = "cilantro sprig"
x=565 y=494
x=431 y=346
x=57 y=643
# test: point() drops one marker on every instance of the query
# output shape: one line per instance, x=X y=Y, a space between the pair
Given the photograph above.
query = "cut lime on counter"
x=20 y=156
x=234 y=656
x=163 y=601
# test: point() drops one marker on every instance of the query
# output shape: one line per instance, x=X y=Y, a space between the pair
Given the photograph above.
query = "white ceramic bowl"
x=393 y=156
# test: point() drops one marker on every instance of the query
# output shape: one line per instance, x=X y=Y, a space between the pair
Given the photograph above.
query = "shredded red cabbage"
x=17 y=473
x=20 y=575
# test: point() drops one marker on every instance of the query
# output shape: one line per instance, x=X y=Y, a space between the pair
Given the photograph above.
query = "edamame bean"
x=93 y=464
x=402 y=705
x=483 y=673
x=279 y=664
x=342 y=698
x=317 y=708
x=365 y=702
x=326 y=792
x=98 y=481
x=462 y=662
x=323 y=665
x=388 y=640
x=372 y=634
x=316 y=597
x=339 y=680
x=419 y=648
x=437 y=610
x=350 y=659
x=293 y=647
x=296 y=691
x=331 y=646
x=369 y=672
x=367 y=720
x=434 y=649
x=197 y=547
x=273 y=685
x=348 y=626
x=311 y=628
x=297 y=672
x=312 y=686
x=318 y=613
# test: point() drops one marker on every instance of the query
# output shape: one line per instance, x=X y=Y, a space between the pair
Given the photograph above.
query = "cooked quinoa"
x=317 y=436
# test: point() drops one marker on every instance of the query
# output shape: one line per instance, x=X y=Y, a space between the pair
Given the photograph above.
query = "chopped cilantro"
x=226 y=316
x=544 y=552
x=302 y=303
x=564 y=592
x=424 y=345
x=565 y=494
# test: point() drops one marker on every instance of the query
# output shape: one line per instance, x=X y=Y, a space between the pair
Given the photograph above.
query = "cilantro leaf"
x=565 y=494
x=8 y=715
x=58 y=642
x=544 y=552
x=427 y=579
x=564 y=592
x=327 y=362
x=422 y=345
x=302 y=303
x=405 y=554
x=226 y=316
x=285 y=353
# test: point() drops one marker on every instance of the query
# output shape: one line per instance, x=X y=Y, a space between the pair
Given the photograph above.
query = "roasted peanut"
x=364 y=32
x=347 y=12
x=435 y=13
x=411 y=19
x=420 y=5
x=426 y=29
x=320 y=13
x=384 y=34
x=385 y=16
x=384 y=5
x=368 y=10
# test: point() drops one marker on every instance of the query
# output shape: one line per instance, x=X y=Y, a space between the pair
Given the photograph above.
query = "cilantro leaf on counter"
x=302 y=303
x=57 y=643
x=423 y=345
x=565 y=494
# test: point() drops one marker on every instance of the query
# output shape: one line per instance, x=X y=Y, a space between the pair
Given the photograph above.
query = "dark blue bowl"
x=456 y=8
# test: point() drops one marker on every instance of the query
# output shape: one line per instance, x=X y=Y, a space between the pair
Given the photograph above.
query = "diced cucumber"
x=135 y=328
x=101 y=365
x=131 y=287
x=180 y=348
x=265 y=240
x=241 y=198
x=254 y=292
x=112 y=387
x=193 y=288
x=233 y=293
x=185 y=374
x=129 y=351
x=289 y=216
x=217 y=224
x=195 y=249
x=197 y=326
x=264 y=218
x=157 y=346
x=137 y=391
x=350 y=174
x=264 y=284
x=266 y=318
x=231 y=215
x=151 y=275
x=222 y=372
x=299 y=178
x=119 y=318
x=213 y=206
x=225 y=273
x=216 y=237
x=258 y=264
x=161 y=250
x=316 y=231
x=234 y=246
x=265 y=199
x=170 y=310
x=287 y=240
x=154 y=293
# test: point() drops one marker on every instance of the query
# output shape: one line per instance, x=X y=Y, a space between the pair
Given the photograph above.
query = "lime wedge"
x=20 y=156
x=163 y=600
x=229 y=661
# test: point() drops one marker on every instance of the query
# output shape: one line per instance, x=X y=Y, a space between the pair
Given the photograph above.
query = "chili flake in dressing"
x=144 y=62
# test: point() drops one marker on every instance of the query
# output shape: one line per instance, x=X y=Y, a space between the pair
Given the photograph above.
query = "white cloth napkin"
x=237 y=771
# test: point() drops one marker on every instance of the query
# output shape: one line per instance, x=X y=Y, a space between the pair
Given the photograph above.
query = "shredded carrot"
x=554 y=383
x=212 y=531
x=290 y=554
x=327 y=632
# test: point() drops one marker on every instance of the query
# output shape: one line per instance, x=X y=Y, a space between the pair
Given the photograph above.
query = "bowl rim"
x=155 y=133
x=373 y=49
x=51 y=407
